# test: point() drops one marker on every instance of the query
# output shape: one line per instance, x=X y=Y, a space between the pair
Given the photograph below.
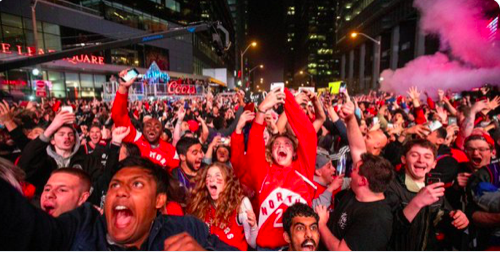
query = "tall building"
x=310 y=43
x=393 y=24
x=239 y=13
x=64 y=24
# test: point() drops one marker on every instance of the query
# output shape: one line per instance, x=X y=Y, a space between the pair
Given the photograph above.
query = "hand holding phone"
x=129 y=75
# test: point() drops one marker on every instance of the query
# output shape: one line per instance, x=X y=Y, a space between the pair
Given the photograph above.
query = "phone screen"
x=131 y=74
x=342 y=88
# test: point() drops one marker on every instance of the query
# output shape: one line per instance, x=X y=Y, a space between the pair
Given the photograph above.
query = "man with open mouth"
x=66 y=189
x=419 y=193
x=131 y=220
x=300 y=223
x=479 y=148
x=149 y=141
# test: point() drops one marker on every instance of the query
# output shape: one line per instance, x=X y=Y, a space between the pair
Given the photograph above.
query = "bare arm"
x=320 y=114
x=485 y=219
x=355 y=137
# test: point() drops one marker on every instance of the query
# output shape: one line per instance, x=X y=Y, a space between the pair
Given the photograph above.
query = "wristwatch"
x=259 y=110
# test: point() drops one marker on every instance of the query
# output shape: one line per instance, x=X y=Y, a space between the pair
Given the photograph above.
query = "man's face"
x=95 y=135
x=131 y=205
x=304 y=234
x=282 y=151
x=327 y=172
x=64 y=139
x=418 y=162
x=152 y=130
x=375 y=141
x=62 y=193
x=479 y=153
x=222 y=154
x=435 y=139
x=215 y=182
x=193 y=157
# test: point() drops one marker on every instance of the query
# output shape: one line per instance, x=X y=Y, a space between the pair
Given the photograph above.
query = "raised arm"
x=305 y=133
x=354 y=135
x=119 y=112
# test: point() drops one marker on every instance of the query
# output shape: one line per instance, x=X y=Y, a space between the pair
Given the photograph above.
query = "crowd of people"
x=294 y=171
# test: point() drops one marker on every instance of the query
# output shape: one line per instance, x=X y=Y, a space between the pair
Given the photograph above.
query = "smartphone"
x=452 y=120
x=67 y=108
x=435 y=125
x=225 y=141
x=375 y=120
x=343 y=87
x=341 y=165
x=432 y=178
x=131 y=74
x=279 y=85
x=310 y=88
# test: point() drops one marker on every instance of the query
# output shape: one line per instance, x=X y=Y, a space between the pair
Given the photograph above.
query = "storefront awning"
x=216 y=81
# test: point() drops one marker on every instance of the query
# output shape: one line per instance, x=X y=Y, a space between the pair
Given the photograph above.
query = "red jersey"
x=164 y=154
x=278 y=187
x=233 y=234
x=321 y=189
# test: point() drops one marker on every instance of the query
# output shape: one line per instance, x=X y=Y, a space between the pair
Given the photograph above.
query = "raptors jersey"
x=164 y=154
x=279 y=187
x=232 y=234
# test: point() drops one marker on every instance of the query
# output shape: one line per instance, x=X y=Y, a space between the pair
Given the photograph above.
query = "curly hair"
x=228 y=202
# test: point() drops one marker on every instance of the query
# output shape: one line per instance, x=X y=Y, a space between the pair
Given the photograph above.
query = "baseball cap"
x=322 y=158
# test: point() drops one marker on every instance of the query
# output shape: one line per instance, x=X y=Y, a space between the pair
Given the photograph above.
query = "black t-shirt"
x=363 y=225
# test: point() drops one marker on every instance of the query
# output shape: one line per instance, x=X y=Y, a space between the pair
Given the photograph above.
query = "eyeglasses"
x=481 y=149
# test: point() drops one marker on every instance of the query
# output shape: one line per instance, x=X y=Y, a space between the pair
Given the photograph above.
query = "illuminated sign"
x=7 y=48
x=174 y=88
x=90 y=59
x=13 y=82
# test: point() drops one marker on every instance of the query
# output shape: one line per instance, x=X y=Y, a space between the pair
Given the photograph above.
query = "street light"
x=377 y=58
x=253 y=44
x=253 y=69
x=308 y=74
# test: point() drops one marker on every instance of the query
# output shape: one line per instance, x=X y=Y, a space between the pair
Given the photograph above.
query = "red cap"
x=484 y=135
x=193 y=125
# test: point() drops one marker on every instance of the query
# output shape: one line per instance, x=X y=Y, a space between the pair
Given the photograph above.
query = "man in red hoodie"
x=282 y=181
x=149 y=142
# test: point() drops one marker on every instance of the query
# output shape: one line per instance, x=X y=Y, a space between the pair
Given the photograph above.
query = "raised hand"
x=119 y=133
x=493 y=104
x=442 y=114
x=125 y=84
x=413 y=93
x=5 y=112
x=420 y=130
x=347 y=111
x=440 y=94
x=245 y=117
x=273 y=97
x=63 y=117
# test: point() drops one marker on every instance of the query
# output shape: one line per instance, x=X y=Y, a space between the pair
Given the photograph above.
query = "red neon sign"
x=174 y=88
x=90 y=59
x=30 y=51
x=14 y=82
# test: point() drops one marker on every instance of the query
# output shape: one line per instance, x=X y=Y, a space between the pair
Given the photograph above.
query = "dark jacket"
x=420 y=234
x=24 y=227
x=39 y=159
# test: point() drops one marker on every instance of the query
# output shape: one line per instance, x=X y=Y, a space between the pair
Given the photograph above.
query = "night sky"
x=265 y=25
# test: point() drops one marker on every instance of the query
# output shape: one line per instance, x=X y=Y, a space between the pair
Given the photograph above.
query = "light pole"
x=310 y=77
x=35 y=28
x=253 y=44
x=376 y=59
x=253 y=69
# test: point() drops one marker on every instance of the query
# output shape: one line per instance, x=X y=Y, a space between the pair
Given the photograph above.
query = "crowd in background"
x=294 y=170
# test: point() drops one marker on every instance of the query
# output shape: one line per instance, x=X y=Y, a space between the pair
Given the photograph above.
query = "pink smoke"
x=463 y=31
